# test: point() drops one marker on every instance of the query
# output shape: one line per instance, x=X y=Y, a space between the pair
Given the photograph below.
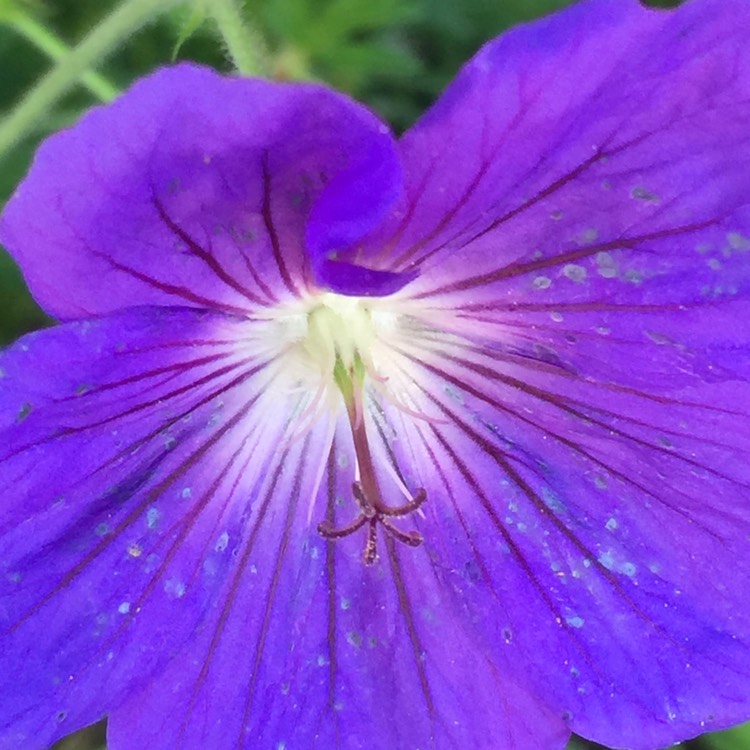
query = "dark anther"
x=372 y=514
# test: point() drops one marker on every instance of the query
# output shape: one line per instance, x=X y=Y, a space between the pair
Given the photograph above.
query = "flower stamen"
x=372 y=514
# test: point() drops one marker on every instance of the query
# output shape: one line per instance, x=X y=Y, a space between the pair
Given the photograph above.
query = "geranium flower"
x=351 y=442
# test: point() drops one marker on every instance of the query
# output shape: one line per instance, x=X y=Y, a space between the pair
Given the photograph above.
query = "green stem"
x=99 y=43
x=45 y=40
x=245 y=45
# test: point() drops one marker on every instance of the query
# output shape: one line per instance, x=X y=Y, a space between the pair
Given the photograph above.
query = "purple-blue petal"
x=594 y=528
x=578 y=205
x=311 y=648
x=161 y=564
x=603 y=130
x=129 y=465
x=195 y=189
x=352 y=204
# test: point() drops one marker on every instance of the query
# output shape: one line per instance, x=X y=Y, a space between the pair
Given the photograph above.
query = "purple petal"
x=595 y=530
x=567 y=378
x=604 y=142
x=160 y=559
x=132 y=458
x=338 y=222
x=311 y=648
x=577 y=205
x=194 y=189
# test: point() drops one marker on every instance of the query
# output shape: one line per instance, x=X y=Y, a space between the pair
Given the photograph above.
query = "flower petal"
x=134 y=449
x=160 y=559
x=592 y=528
x=599 y=143
x=579 y=351
x=311 y=648
x=194 y=189
x=355 y=202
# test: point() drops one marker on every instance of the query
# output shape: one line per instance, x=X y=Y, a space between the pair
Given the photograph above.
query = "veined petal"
x=565 y=377
x=311 y=648
x=160 y=558
x=194 y=189
x=579 y=355
x=132 y=467
x=594 y=528
x=580 y=157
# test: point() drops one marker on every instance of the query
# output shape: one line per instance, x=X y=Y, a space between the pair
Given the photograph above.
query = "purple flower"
x=349 y=442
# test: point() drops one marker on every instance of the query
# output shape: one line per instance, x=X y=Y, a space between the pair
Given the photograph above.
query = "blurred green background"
x=395 y=55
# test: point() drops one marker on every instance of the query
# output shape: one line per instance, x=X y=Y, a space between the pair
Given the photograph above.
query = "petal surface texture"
x=159 y=540
x=578 y=206
x=551 y=273
x=195 y=189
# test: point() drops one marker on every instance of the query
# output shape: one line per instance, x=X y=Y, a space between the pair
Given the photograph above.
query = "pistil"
x=366 y=489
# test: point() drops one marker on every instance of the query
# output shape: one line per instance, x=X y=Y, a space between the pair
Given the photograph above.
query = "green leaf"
x=189 y=24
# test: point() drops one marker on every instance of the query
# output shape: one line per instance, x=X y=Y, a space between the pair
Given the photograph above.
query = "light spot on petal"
x=354 y=638
x=606 y=266
x=607 y=560
x=588 y=236
x=574 y=621
x=24 y=412
x=124 y=608
x=152 y=517
x=575 y=272
x=175 y=587
x=542 y=282
x=738 y=241
x=634 y=277
x=222 y=542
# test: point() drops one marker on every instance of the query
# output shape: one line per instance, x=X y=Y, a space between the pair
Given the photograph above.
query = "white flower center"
x=329 y=355
x=339 y=329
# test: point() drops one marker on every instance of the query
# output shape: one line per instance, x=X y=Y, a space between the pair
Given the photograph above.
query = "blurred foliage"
x=395 y=55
